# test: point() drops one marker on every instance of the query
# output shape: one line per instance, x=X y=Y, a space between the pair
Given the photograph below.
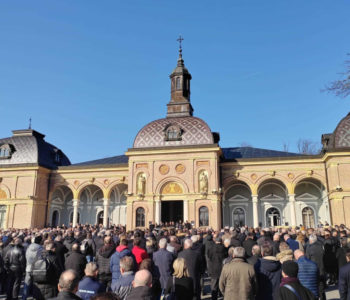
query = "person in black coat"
x=15 y=264
x=48 y=289
x=103 y=258
x=291 y=288
x=193 y=261
x=60 y=250
x=248 y=244
x=330 y=260
x=216 y=256
x=68 y=286
x=183 y=281
x=69 y=240
x=141 y=286
x=344 y=278
x=315 y=252
x=256 y=255
x=76 y=261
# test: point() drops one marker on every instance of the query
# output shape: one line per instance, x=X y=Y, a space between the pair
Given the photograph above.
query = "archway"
x=100 y=218
x=308 y=217
x=62 y=204
x=238 y=218
x=117 y=211
x=140 y=217
x=91 y=201
x=55 y=218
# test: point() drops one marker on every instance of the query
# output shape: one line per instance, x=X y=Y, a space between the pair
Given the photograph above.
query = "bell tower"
x=180 y=105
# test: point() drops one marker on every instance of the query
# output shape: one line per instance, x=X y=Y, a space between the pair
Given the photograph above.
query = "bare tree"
x=341 y=88
x=285 y=146
x=306 y=146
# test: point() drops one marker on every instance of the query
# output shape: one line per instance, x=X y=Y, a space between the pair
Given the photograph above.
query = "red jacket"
x=140 y=254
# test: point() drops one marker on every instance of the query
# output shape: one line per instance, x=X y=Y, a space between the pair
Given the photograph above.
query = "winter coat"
x=216 y=256
x=103 y=258
x=248 y=245
x=15 y=260
x=344 y=282
x=293 y=244
x=253 y=259
x=66 y=296
x=238 y=280
x=183 y=288
x=163 y=261
x=89 y=287
x=193 y=262
x=68 y=242
x=61 y=251
x=140 y=293
x=315 y=253
x=283 y=293
x=48 y=289
x=77 y=262
x=308 y=274
x=268 y=273
x=122 y=287
x=341 y=257
x=285 y=255
x=329 y=259
x=115 y=261
x=140 y=254
x=33 y=251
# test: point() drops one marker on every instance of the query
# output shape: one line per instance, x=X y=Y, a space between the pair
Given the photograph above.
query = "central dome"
x=179 y=131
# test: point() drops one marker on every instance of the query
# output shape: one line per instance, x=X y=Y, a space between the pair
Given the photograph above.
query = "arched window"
x=308 y=217
x=178 y=83
x=54 y=221
x=238 y=217
x=140 y=217
x=100 y=217
x=203 y=216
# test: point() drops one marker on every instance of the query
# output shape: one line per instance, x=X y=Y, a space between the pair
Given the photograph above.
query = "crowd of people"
x=91 y=262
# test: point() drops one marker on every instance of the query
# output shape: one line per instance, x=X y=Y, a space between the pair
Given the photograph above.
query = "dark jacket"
x=115 y=261
x=253 y=259
x=268 y=273
x=293 y=244
x=68 y=242
x=66 y=296
x=315 y=253
x=122 y=287
x=341 y=257
x=283 y=293
x=329 y=259
x=15 y=260
x=48 y=289
x=103 y=258
x=61 y=251
x=344 y=282
x=216 y=256
x=193 y=262
x=163 y=260
x=308 y=274
x=140 y=293
x=77 y=262
x=248 y=245
x=89 y=287
x=183 y=288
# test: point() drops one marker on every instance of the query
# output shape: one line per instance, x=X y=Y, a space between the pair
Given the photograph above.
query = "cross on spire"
x=30 y=123
x=180 y=39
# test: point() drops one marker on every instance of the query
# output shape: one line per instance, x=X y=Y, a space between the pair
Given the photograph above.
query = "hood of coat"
x=270 y=264
x=106 y=251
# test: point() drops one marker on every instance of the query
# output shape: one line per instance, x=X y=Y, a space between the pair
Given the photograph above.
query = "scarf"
x=288 y=280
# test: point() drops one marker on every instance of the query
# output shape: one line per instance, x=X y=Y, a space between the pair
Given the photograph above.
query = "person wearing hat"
x=290 y=287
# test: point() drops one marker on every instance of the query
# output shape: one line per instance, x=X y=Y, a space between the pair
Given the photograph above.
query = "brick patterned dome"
x=342 y=133
x=194 y=131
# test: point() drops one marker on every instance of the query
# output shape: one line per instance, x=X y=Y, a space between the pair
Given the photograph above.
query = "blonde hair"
x=180 y=268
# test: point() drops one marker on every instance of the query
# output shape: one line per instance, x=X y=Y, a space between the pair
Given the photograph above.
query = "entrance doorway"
x=273 y=217
x=172 y=211
x=100 y=218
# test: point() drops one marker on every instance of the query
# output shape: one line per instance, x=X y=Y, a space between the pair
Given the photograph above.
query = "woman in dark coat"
x=182 y=279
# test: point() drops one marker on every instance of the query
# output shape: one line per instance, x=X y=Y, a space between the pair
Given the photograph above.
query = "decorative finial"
x=180 y=39
x=30 y=123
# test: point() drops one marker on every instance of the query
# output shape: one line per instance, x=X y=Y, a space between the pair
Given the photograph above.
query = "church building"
x=175 y=171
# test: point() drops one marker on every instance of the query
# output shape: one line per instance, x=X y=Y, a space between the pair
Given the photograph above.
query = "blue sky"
x=92 y=73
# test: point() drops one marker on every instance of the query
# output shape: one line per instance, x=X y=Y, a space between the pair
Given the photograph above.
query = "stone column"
x=185 y=210
x=105 y=212
x=75 y=211
x=255 y=211
x=158 y=212
x=293 y=219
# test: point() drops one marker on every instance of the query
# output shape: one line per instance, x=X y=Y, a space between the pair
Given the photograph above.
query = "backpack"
x=41 y=270
x=84 y=246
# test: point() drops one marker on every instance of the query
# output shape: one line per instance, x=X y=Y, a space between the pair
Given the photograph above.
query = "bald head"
x=188 y=244
x=68 y=282
x=142 y=278
x=298 y=253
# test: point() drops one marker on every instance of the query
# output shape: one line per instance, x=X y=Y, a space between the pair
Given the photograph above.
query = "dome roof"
x=194 y=131
x=342 y=133
x=29 y=147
